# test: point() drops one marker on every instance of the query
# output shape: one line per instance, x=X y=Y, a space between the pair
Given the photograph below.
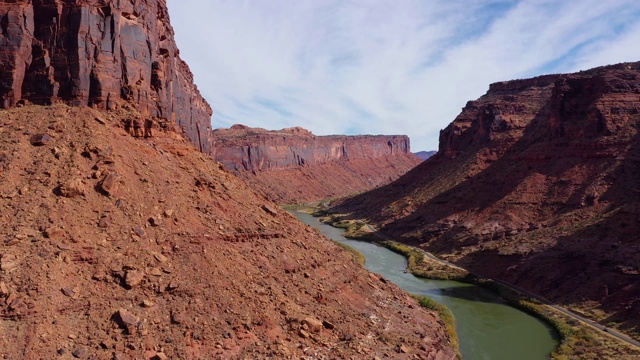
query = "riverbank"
x=487 y=327
x=446 y=316
x=444 y=313
x=579 y=339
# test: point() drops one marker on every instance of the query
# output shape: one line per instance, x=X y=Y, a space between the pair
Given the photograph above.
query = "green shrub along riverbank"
x=447 y=317
x=577 y=340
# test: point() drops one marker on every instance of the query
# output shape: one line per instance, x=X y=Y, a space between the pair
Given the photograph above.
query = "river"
x=487 y=327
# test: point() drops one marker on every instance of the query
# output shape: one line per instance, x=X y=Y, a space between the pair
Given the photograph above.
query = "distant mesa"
x=244 y=148
x=424 y=155
x=294 y=165
x=240 y=130
x=298 y=131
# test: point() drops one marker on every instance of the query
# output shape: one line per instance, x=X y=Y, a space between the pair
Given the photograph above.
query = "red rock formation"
x=102 y=54
x=535 y=182
x=244 y=148
x=293 y=165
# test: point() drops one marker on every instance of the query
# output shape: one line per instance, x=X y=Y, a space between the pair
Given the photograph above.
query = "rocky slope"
x=293 y=165
x=114 y=247
x=537 y=183
x=104 y=54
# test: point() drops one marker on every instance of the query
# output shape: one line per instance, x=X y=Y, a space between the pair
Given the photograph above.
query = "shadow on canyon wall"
x=593 y=258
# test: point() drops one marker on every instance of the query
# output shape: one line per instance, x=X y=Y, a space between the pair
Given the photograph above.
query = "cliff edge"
x=293 y=165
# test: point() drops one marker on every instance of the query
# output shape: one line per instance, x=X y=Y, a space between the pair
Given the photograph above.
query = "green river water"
x=487 y=327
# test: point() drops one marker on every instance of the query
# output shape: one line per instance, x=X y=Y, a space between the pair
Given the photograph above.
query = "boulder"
x=40 y=139
x=314 y=324
x=72 y=188
x=8 y=262
x=133 y=278
x=110 y=184
x=127 y=320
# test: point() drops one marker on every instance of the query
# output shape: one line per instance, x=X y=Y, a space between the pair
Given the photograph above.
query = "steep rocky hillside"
x=537 y=183
x=115 y=247
x=293 y=165
x=101 y=53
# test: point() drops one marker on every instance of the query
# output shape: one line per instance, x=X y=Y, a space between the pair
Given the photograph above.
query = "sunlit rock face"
x=244 y=148
x=293 y=165
x=105 y=54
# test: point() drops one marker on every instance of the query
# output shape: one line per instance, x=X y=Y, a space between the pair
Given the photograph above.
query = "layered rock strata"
x=244 y=148
x=103 y=54
x=293 y=165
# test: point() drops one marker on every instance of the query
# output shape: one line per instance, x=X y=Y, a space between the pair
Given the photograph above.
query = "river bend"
x=488 y=328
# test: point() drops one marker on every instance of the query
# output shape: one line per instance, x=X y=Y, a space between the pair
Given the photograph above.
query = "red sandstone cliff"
x=99 y=53
x=537 y=183
x=293 y=165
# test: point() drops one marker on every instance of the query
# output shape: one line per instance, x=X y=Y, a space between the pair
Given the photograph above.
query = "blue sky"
x=386 y=66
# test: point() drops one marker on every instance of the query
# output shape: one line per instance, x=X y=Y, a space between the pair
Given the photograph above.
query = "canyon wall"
x=104 y=54
x=535 y=183
x=293 y=165
x=244 y=148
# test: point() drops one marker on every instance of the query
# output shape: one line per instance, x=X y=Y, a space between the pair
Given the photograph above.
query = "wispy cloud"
x=367 y=66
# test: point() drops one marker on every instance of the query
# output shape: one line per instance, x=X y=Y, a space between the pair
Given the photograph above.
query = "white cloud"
x=406 y=66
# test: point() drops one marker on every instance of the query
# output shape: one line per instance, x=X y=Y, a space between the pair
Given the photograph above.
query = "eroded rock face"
x=99 y=53
x=498 y=117
x=293 y=165
x=244 y=148
x=580 y=108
